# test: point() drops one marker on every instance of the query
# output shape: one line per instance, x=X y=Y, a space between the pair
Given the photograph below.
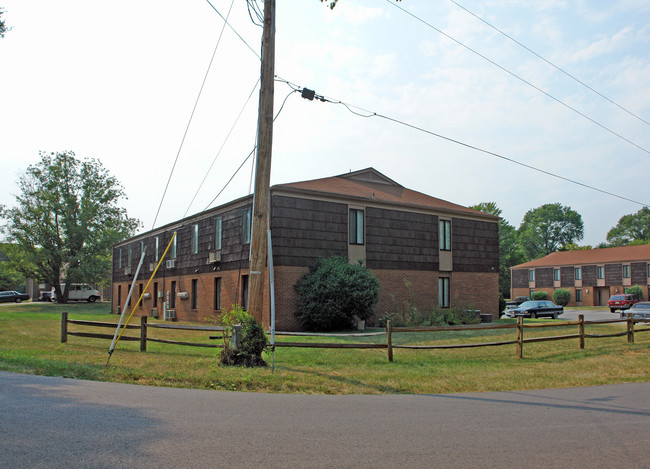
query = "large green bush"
x=561 y=296
x=539 y=296
x=253 y=341
x=635 y=290
x=333 y=292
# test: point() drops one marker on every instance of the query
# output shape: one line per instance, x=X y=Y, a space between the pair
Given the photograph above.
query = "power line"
x=368 y=114
x=196 y=102
x=550 y=63
x=234 y=30
x=520 y=78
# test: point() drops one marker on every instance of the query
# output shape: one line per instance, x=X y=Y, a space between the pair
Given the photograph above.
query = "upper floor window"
x=172 y=250
x=130 y=256
x=600 y=271
x=556 y=275
x=156 y=248
x=246 y=225
x=445 y=235
x=356 y=226
x=626 y=271
x=218 y=224
x=531 y=275
x=195 y=238
x=578 y=271
x=119 y=258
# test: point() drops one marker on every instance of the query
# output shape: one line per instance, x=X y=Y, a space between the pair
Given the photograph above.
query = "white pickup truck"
x=80 y=292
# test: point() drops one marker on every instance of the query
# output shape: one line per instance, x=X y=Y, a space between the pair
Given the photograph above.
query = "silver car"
x=640 y=310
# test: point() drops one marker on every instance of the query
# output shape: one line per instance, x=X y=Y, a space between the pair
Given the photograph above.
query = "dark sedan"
x=12 y=296
x=537 y=309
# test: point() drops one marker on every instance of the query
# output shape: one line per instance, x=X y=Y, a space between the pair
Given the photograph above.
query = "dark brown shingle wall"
x=475 y=245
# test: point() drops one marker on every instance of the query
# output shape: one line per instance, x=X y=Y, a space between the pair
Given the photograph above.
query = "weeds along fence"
x=519 y=340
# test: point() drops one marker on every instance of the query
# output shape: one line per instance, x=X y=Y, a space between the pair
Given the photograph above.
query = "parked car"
x=46 y=295
x=517 y=301
x=640 y=310
x=80 y=292
x=621 y=301
x=536 y=309
x=12 y=296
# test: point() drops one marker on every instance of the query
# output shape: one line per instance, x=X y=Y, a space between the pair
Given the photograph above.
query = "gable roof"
x=591 y=256
x=371 y=185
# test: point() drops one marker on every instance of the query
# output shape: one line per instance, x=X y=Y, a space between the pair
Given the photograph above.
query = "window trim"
x=356 y=220
x=444 y=234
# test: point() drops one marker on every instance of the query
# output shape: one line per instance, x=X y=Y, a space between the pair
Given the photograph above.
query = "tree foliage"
x=631 y=229
x=561 y=296
x=333 y=292
x=3 y=26
x=66 y=219
x=509 y=251
x=548 y=229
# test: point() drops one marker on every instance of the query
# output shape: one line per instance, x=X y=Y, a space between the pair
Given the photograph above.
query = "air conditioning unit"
x=214 y=256
x=146 y=296
x=183 y=295
x=127 y=270
x=152 y=266
x=170 y=314
x=154 y=313
x=171 y=263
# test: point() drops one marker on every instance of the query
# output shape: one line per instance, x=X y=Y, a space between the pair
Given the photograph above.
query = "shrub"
x=635 y=290
x=253 y=341
x=502 y=303
x=562 y=296
x=539 y=295
x=333 y=292
x=406 y=315
x=461 y=314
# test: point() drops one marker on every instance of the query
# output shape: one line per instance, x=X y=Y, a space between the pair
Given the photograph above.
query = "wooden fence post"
x=630 y=329
x=389 y=340
x=143 y=333
x=64 y=327
x=520 y=337
x=581 y=330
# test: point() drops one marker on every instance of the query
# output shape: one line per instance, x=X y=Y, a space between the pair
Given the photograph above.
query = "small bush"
x=539 y=296
x=454 y=316
x=635 y=290
x=333 y=292
x=253 y=339
x=562 y=296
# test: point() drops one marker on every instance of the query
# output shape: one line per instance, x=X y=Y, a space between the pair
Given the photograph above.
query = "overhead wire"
x=551 y=63
x=523 y=80
x=235 y=31
x=187 y=127
x=368 y=114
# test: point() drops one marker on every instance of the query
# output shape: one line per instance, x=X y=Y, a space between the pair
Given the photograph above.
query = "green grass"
x=30 y=333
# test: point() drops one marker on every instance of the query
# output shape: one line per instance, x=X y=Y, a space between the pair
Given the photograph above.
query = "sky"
x=119 y=82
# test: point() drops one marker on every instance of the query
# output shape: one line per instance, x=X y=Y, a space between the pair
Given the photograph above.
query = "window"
x=140 y=289
x=119 y=259
x=157 y=247
x=217 y=293
x=172 y=250
x=244 y=292
x=119 y=294
x=172 y=299
x=531 y=275
x=130 y=258
x=195 y=293
x=578 y=295
x=195 y=238
x=443 y=292
x=556 y=275
x=246 y=225
x=218 y=223
x=356 y=226
x=626 y=271
x=578 y=271
x=155 y=294
x=600 y=272
x=445 y=235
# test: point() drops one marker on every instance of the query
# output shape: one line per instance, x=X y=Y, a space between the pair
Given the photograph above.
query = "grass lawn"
x=30 y=343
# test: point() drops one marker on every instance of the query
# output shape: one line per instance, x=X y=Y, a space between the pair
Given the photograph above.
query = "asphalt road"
x=63 y=423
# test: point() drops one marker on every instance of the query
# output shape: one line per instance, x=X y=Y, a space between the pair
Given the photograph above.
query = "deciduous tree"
x=631 y=229
x=549 y=228
x=66 y=219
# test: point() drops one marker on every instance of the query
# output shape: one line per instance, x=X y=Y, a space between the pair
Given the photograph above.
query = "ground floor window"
x=119 y=295
x=244 y=292
x=155 y=294
x=172 y=296
x=578 y=295
x=443 y=292
x=140 y=296
x=195 y=293
x=217 y=293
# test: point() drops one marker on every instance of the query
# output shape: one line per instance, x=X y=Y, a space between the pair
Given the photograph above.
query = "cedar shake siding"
x=304 y=230
x=475 y=245
x=520 y=278
x=543 y=278
x=401 y=240
x=589 y=274
x=639 y=273
x=613 y=274
x=567 y=276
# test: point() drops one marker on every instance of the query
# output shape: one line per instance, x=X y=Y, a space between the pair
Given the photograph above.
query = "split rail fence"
x=389 y=346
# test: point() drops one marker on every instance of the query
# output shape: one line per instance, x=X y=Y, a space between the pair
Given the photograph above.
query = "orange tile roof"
x=592 y=256
x=370 y=184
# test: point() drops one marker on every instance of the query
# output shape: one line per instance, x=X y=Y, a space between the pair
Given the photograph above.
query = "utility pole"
x=261 y=204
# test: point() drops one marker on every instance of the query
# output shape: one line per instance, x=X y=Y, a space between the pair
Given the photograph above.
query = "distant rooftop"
x=591 y=256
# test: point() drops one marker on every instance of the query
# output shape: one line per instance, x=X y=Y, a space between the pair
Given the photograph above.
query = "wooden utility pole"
x=261 y=205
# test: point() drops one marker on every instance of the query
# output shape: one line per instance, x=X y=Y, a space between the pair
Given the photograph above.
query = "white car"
x=80 y=292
